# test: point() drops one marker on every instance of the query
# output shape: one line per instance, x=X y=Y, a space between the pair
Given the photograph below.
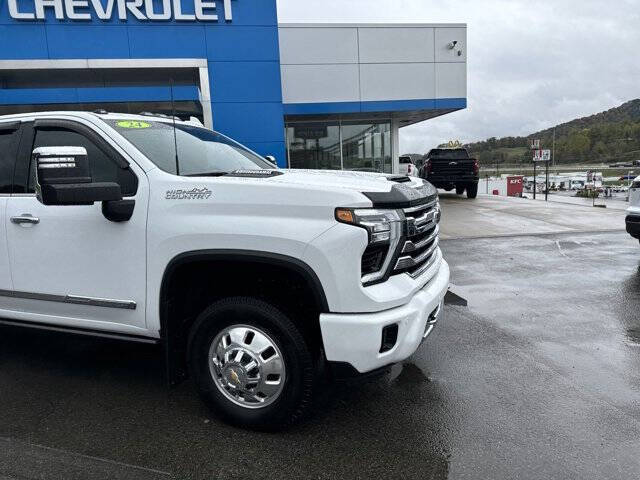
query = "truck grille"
x=421 y=242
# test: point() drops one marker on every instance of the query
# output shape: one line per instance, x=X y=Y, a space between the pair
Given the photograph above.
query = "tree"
x=578 y=145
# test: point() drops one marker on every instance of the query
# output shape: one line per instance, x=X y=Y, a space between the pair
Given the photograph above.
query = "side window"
x=8 y=150
x=103 y=168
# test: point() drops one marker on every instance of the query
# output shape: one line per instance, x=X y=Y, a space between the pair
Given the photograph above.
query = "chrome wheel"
x=247 y=366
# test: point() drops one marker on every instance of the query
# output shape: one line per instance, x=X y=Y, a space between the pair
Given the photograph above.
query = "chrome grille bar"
x=428 y=217
x=410 y=246
x=425 y=266
x=426 y=206
x=410 y=262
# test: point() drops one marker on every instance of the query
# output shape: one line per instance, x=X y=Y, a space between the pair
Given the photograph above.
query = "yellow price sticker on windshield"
x=133 y=124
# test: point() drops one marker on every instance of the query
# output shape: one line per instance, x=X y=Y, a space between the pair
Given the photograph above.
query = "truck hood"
x=323 y=188
x=359 y=181
x=383 y=190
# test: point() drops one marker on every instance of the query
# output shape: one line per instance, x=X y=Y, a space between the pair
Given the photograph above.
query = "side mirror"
x=271 y=159
x=63 y=177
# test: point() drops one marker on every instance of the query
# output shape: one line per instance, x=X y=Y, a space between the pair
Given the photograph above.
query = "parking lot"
x=538 y=377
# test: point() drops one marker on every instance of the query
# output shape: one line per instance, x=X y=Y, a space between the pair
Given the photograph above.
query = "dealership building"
x=312 y=95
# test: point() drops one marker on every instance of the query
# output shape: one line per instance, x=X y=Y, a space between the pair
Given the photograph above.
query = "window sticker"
x=133 y=124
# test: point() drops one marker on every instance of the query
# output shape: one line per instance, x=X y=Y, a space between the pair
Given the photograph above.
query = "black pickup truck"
x=450 y=168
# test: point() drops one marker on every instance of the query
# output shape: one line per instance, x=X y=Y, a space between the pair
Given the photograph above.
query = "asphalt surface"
x=490 y=216
x=539 y=377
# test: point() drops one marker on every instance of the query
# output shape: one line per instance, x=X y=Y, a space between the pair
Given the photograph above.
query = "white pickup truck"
x=149 y=229
x=633 y=212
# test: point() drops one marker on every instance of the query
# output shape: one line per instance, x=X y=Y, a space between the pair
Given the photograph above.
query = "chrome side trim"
x=101 y=302
x=73 y=299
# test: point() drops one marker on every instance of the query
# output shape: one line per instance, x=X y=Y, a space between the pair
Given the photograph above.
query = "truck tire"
x=460 y=189
x=251 y=364
x=472 y=190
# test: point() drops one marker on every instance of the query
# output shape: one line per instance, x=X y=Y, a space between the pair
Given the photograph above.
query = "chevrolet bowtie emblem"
x=234 y=376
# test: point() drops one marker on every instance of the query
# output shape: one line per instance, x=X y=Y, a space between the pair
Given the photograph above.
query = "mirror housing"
x=271 y=159
x=63 y=177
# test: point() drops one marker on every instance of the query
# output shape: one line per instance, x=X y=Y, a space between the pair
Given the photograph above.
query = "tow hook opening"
x=389 y=337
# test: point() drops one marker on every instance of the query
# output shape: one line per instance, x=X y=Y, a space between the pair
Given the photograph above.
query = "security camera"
x=453 y=44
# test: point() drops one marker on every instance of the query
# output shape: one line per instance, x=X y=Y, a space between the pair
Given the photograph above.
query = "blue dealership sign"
x=238 y=39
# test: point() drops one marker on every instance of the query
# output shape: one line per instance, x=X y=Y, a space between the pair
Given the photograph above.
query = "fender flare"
x=172 y=355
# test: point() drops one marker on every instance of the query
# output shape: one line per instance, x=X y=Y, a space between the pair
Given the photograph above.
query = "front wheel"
x=472 y=190
x=459 y=189
x=251 y=364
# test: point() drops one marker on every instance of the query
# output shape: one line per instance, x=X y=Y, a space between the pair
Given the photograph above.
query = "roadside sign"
x=542 y=155
x=535 y=144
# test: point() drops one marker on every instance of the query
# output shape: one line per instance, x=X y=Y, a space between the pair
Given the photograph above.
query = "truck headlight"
x=384 y=229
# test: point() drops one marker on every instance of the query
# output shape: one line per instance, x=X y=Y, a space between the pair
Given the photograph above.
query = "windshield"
x=200 y=151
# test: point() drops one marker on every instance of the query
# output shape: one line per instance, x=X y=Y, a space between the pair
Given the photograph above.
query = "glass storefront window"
x=367 y=147
x=314 y=146
x=349 y=145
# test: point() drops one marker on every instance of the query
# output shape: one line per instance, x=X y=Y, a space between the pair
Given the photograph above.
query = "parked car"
x=450 y=168
x=408 y=167
x=632 y=220
x=252 y=279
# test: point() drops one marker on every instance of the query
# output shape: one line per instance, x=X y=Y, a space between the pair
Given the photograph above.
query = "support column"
x=395 y=145
x=205 y=97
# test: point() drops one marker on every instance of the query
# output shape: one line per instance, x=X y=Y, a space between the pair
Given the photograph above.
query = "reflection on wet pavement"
x=627 y=308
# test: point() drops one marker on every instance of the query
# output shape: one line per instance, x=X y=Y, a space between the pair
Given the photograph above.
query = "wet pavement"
x=491 y=216
x=538 y=377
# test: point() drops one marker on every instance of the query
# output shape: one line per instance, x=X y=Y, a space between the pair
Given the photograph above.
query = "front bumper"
x=355 y=338
x=452 y=179
x=633 y=225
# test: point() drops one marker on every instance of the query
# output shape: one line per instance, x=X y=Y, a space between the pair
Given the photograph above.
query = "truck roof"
x=449 y=153
x=102 y=115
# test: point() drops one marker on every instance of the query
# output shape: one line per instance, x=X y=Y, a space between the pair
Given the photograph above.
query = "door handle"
x=25 y=218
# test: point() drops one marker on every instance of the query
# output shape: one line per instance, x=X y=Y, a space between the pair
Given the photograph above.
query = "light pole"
x=553 y=147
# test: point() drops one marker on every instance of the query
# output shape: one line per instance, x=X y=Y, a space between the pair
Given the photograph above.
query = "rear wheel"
x=251 y=364
x=460 y=189
x=472 y=190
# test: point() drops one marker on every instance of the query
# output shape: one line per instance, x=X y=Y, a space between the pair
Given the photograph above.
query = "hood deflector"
x=403 y=196
x=399 y=178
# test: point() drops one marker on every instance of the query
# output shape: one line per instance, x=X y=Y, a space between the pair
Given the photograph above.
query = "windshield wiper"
x=216 y=173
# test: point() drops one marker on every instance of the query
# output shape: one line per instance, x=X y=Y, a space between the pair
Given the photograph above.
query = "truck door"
x=69 y=264
x=9 y=138
x=634 y=194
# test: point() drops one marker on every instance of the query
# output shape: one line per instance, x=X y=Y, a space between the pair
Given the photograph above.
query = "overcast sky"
x=531 y=64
